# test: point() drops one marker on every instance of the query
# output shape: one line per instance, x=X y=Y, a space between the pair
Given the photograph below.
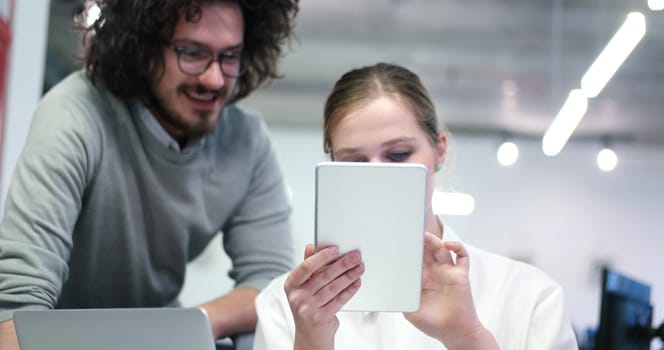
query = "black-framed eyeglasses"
x=195 y=61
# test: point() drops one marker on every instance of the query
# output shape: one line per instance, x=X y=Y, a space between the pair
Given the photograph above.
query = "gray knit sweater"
x=101 y=214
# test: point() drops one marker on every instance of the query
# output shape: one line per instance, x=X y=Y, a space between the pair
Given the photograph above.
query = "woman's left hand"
x=447 y=311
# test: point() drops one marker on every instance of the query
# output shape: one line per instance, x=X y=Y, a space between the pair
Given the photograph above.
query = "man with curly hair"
x=135 y=163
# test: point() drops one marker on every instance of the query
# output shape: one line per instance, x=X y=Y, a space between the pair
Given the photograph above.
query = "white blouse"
x=521 y=306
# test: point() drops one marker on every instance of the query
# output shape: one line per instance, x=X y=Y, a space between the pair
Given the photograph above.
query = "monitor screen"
x=625 y=315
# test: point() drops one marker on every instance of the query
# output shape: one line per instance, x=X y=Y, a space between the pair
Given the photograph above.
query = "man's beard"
x=175 y=120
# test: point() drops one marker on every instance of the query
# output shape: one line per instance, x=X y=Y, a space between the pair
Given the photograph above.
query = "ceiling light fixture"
x=592 y=83
x=452 y=203
x=508 y=153
x=563 y=125
x=607 y=159
x=614 y=54
x=656 y=5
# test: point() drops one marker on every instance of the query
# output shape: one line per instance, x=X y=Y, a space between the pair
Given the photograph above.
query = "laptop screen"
x=113 y=329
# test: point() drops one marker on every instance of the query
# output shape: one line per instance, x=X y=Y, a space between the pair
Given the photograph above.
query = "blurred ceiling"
x=493 y=66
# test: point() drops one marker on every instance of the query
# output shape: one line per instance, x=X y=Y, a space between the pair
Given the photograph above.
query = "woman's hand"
x=447 y=311
x=316 y=289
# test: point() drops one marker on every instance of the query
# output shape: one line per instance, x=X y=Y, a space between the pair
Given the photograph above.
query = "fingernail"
x=354 y=257
x=334 y=251
x=359 y=268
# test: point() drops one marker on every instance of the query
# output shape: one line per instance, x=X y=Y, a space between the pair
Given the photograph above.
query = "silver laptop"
x=114 y=329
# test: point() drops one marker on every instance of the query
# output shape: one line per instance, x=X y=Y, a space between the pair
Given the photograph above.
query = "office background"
x=497 y=69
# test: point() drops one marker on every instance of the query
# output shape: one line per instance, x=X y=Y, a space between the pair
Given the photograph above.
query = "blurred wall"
x=24 y=84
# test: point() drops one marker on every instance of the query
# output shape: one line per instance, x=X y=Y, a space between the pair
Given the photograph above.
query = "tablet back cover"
x=379 y=209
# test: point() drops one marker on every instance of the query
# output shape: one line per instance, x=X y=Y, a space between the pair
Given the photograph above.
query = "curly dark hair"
x=124 y=45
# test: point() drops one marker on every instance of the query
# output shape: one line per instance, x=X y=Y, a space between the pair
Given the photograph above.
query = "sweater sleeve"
x=258 y=237
x=43 y=202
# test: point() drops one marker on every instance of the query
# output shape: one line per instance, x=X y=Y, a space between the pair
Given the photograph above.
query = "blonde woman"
x=471 y=299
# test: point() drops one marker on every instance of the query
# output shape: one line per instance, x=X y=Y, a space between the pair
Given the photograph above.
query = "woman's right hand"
x=317 y=288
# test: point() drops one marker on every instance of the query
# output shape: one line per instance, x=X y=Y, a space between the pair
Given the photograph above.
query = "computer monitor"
x=625 y=315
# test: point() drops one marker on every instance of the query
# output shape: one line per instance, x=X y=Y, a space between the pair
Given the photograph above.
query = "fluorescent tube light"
x=614 y=54
x=452 y=203
x=565 y=122
x=656 y=5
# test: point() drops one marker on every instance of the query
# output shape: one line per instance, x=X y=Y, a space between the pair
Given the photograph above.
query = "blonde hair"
x=362 y=85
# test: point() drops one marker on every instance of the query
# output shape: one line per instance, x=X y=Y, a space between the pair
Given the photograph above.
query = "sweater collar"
x=148 y=119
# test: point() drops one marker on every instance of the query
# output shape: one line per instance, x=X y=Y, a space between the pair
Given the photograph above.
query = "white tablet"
x=378 y=209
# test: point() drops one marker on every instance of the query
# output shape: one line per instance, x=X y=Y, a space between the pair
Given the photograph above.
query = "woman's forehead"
x=380 y=119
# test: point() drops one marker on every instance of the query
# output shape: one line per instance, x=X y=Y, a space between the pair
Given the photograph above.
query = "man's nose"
x=212 y=78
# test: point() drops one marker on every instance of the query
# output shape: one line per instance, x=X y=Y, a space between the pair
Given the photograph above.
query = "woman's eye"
x=398 y=156
x=352 y=159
